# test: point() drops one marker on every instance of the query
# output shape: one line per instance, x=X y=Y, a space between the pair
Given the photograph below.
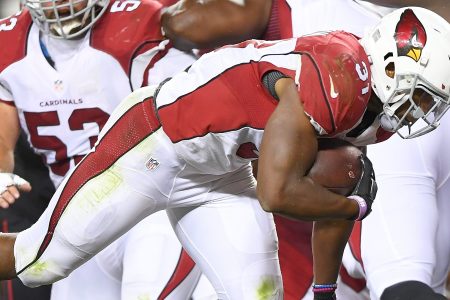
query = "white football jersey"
x=215 y=113
x=63 y=107
x=294 y=18
x=362 y=17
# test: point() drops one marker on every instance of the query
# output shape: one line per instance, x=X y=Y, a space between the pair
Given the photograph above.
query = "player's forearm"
x=6 y=159
x=9 y=134
x=304 y=200
x=208 y=24
x=7 y=261
x=328 y=242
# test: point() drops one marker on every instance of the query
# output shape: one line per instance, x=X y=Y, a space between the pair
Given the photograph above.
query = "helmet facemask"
x=413 y=108
x=65 y=19
x=409 y=56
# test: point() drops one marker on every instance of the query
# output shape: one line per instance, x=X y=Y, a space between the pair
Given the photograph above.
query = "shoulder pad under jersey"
x=334 y=80
x=127 y=28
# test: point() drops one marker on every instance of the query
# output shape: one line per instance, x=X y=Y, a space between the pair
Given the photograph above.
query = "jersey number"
x=12 y=23
x=50 y=142
x=128 y=5
x=10 y=26
x=363 y=74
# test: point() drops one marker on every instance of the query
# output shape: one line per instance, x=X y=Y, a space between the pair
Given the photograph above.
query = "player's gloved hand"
x=10 y=185
x=366 y=189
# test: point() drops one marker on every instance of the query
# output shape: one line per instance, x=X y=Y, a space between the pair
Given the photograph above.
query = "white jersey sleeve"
x=5 y=94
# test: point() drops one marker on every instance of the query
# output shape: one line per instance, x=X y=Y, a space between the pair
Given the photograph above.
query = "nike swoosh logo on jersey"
x=333 y=92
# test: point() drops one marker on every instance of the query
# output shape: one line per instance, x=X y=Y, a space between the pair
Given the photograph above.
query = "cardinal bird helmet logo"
x=410 y=35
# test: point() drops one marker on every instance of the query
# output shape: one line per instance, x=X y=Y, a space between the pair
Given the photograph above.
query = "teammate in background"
x=404 y=244
x=144 y=154
x=26 y=164
x=235 y=21
x=70 y=65
x=283 y=20
x=26 y=212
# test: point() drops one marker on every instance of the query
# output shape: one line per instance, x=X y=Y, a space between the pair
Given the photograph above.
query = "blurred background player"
x=81 y=58
x=404 y=244
x=25 y=213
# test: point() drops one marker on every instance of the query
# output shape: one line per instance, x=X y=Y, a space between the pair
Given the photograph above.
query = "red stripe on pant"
x=357 y=284
x=131 y=128
x=295 y=256
x=355 y=242
x=182 y=270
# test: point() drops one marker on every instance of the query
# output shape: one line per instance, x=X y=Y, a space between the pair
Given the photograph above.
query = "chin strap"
x=66 y=28
x=389 y=123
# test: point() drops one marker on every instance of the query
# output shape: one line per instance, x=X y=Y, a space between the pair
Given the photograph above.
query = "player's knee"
x=40 y=273
x=33 y=281
x=410 y=290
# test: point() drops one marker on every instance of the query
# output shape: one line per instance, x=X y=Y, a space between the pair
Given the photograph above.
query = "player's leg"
x=295 y=256
x=435 y=150
x=113 y=188
x=7 y=268
x=204 y=290
x=351 y=280
x=90 y=281
x=145 y=263
x=154 y=263
x=233 y=241
x=390 y=237
x=442 y=244
x=398 y=237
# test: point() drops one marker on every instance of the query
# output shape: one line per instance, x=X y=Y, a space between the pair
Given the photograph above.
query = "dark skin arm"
x=8 y=139
x=288 y=150
x=7 y=261
x=441 y=7
x=328 y=243
x=197 y=24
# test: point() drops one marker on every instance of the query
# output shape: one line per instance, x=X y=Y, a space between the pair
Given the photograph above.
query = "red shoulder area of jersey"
x=167 y=2
x=127 y=29
x=280 y=21
x=383 y=135
x=334 y=80
x=13 y=38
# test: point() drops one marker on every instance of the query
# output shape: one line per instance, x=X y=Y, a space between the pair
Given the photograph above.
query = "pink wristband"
x=362 y=206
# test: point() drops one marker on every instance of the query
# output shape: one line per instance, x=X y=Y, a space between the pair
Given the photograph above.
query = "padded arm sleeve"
x=269 y=79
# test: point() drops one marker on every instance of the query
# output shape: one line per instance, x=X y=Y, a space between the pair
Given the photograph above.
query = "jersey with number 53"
x=215 y=113
x=62 y=109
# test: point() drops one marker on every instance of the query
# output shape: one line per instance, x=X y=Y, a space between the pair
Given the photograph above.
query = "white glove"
x=9 y=179
x=10 y=184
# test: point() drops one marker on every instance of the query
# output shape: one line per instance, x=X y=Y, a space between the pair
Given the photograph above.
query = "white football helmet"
x=62 y=19
x=409 y=54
